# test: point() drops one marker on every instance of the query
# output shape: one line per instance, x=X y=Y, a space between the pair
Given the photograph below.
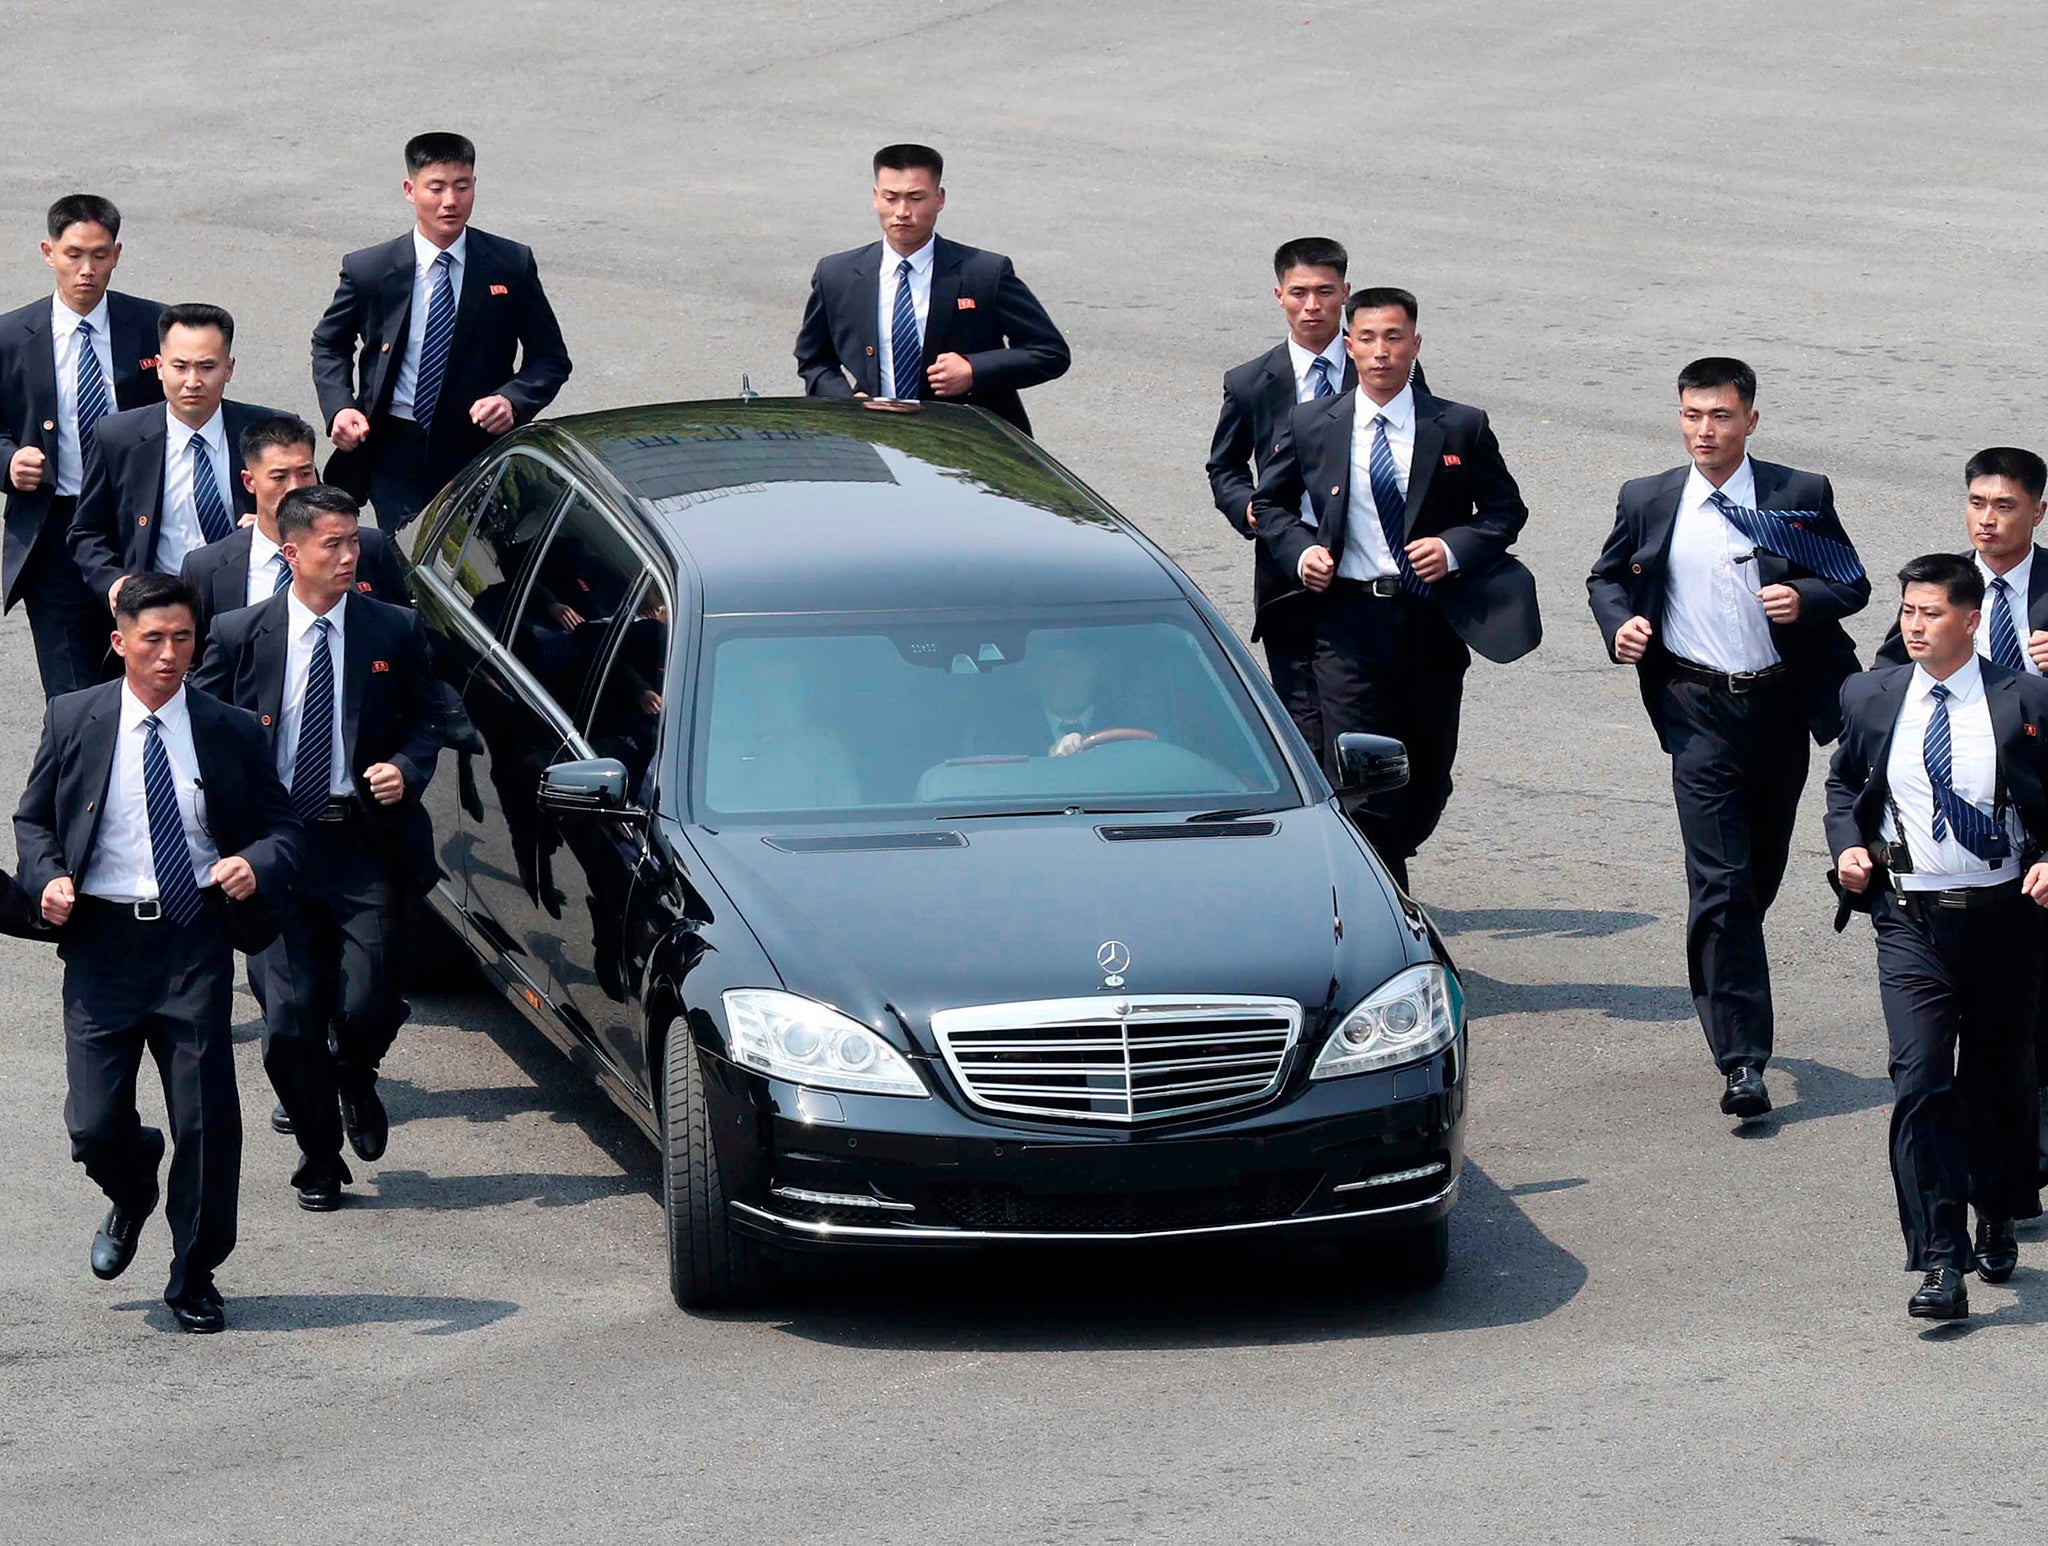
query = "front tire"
x=710 y=1265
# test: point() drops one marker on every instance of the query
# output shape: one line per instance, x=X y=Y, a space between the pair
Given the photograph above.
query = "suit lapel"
x=1333 y=431
x=355 y=677
x=1660 y=518
x=2037 y=590
x=271 y=646
x=231 y=579
x=152 y=448
x=479 y=272
x=944 y=308
x=397 y=297
x=867 y=327
x=234 y=418
x=42 y=377
x=96 y=740
x=129 y=348
x=1424 y=459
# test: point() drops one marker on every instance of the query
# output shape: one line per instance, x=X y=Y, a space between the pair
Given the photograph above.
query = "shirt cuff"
x=1451 y=554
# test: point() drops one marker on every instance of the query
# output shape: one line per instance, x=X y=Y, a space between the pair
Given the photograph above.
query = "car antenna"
x=747 y=392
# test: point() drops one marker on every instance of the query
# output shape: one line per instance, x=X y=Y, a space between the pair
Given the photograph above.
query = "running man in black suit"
x=434 y=345
x=351 y=713
x=1394 y=512
x=1724 y=583
x=154 y=832
x=53 y=394
x=916 y=316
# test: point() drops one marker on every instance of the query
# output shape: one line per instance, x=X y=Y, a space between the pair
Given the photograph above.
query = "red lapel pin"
x=378 y=667
x=501 y=290
x=965 y=303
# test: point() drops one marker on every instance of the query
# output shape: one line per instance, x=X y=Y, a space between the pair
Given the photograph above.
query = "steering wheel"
x=1116 y=733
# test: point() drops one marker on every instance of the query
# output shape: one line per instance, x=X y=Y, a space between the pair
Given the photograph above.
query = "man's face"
x=276 y=471
x=195 y=368
x=1383 y=345
x=1716 y=424
x=155 y=649
x=442 y=194
x=1313 y=299
x=907 y=203
x=1935 y=629
x=1067 y=676
x=83 y=259
x=324 y=560
x=2002 y=516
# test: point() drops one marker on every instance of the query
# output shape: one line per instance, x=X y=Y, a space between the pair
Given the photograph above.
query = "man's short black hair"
x=911 y=158
x=1379 y=298
x=196 y=314
x=84 y=209
x=302 y=507
x=2011 y=462
x=143 y=592
x=425 y=150
x=279 y=432
x=1955 y=573
x=1719 y=370
x=1310 y=252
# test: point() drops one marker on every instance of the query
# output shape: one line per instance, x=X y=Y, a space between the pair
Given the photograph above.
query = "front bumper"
x=1341 y=1157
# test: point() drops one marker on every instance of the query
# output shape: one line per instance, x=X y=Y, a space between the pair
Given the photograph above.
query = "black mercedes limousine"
x=911 y=850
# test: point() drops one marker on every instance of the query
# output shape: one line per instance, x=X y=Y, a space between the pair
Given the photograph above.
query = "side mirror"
x=595 y=786
x=1370 y=764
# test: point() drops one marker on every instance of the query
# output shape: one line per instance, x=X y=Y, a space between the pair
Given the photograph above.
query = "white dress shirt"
x=1366 y=554
x=123 y=865
x=1945 y=865
x=424 y=253
x=920 y=302
x=298 y=662
x=181 y=531
x=266 y=561
x=64 y=336
x=1711 y=615
x=2018 y=578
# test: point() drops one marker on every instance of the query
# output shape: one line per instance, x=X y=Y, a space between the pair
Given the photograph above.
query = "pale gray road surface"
x=1652 y=1329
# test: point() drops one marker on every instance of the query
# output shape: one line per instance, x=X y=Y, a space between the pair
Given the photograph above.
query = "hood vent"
x=1160 y=831
x=865 y=842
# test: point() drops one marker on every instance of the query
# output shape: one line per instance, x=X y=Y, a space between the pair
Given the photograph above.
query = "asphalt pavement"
x=1653 y=1329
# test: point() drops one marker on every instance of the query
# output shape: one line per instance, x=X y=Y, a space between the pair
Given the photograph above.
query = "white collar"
x=64 y=321
x=1304 y=362
x=1740 y=487
x=1400 y=412
x=260 y=546
x=2018 y=578
x=300 y=617
x=424 y=252
x=172 y=716
x=1965 y=685
x=920 y=260
x=214 y=430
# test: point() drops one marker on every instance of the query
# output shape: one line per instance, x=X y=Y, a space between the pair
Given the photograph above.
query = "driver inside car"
x=1053 y=702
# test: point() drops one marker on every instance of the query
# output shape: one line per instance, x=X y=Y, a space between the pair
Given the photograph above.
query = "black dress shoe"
x=1940 y=1297
x=280 y=1120
x=363 y=1119
x=319 y=1194
x=201 y=1314
x=113 y=1248
x=1998 y=1249
x=1745 y=1096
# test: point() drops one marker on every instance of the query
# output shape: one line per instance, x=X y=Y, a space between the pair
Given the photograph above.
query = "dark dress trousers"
x=1395 y=665
x=68 y=621
x=131 y=985
x=979 y=309
x=507 y=344
x=219 y=574
x=1952 y=981
x=1738 y=759
x=121 y=502
x=334 y=966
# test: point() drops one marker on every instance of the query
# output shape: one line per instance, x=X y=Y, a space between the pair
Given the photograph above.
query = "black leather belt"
x=87 y=907
x=338 y=808
x=1385 y=588
x=1737 y=682
x=1962 y=898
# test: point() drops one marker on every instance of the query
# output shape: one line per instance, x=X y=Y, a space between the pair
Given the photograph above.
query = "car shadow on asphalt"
x=1504 y=1271
x=2028 y=1308
x=1824 y=1091
x=435 y=1315
x=1617 y=1000
x=1536 y=922
x=459 y=1194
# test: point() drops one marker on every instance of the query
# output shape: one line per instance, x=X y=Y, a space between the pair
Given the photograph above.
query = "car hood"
x=1024 y=907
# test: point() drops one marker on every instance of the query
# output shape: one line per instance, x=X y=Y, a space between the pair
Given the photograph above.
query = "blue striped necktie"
x=1393 y=507
x=906 y=349
x=313 y=756
x=1321 y=386
x=1973 y=829
x=284 y=575
x=93 y=403
x=170 y=855
x=214 y=520
x=2005 y=634
x=433 y=361
x=1782 y=532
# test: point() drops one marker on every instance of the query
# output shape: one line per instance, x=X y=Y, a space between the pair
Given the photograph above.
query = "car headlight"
x=801 y=1040
x=1409 y=1016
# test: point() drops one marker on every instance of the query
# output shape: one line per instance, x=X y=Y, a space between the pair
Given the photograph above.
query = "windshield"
x=1127 y=708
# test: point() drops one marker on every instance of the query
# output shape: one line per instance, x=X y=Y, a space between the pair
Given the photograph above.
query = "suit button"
x=88 y=807
x=142 y=520
x=1635 y=568
x=387 y=348
x=266 y=719
x=871 y=348
x=1333 y=489
x=49 y=424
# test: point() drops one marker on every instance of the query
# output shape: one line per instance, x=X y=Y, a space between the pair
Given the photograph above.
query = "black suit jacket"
x=121 y=502
x=58 y=819
x=390 y=708
x=1893 y=650
x=28 y=404
x=1858 y=783
x=979 y=309
x=1628 y=580
x=219 y=574
x=507 y=344
x=1459 y=490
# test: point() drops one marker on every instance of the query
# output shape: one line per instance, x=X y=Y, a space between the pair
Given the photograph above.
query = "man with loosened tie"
x=156 y=836
x=1724 y=582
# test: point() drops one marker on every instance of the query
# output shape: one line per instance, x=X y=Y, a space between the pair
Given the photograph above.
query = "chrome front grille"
x=1119 y=1059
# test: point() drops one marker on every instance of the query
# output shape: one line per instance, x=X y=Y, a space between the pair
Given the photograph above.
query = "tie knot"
x=85 y=327
x=444 y=260
x=152 y=724
x=903 y=269
x=320 y=626
x=1381 y=420
x=198 y=440
x=1941 y=692
x=1998 y=584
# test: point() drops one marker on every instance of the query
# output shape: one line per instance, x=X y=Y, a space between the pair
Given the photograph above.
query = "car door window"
x=623 y=716
x=586 y=576
x=503 y=535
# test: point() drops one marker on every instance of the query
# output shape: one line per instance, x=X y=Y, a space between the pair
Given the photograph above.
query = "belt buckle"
x=150 y=911
x=1383 y=588
x=1741 y=682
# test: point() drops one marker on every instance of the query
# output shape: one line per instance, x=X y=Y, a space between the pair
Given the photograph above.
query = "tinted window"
x=1126 y=708
x=445 y=556
x=502 y=537
x=586 y=574
x=624 y=718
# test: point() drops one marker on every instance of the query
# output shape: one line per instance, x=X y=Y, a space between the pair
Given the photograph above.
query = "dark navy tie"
x=1784 y=533
x=284 y=576
x=214 y=520
x=906 y=349
x=1393 y=506
x=313 y=757
x=177 y=891
x=1321 y=386
x=93 y=404
x=2005 y=634
x=433 y=362
x=1973 y=829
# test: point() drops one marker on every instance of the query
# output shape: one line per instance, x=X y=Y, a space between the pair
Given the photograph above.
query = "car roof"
x=822 y=505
